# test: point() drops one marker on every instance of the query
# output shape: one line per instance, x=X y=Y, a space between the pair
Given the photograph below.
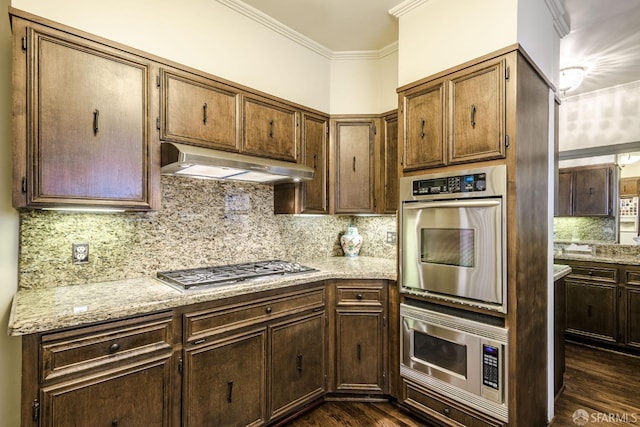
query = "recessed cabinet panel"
x=390 y=163
x=88 y=139
x=633 y=316
x=269 y=130
x=592 y=310
x=424 y=129
x=592 y=192
x=477 y=115
x=354 y=181
x=198 y=111
x=564 y=202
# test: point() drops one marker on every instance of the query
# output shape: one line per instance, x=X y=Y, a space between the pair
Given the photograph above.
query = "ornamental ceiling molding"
x=285 y=31
x=560 y=22
x=405 y=7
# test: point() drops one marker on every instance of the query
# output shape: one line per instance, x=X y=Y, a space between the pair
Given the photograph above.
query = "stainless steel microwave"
x=463 y=359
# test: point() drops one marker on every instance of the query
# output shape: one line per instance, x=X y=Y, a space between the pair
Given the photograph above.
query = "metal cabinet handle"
x=268 y=310
x=271 y=125
x=299 y=362
x=315 y=162
x=446 y=411
x=204 y=113
x=229 y=391
x=589 y=310
x=96 y=117
x=423 y=122
x=114 y=423
x=359 y=352
x=354 y=163
x=473 y=115
x=359 y=296
x=114 y=347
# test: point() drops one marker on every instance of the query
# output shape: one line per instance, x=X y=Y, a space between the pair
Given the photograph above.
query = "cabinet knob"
x=447 y=412
x=359 y=296
x=114 y=423
x=114 y=347
x=268 y=310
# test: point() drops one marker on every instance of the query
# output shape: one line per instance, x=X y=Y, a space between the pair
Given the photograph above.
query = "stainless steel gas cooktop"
x=229 y=274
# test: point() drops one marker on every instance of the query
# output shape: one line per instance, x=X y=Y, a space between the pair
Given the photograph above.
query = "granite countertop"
x=560 y=271
x=40 y=310
x=623 y=260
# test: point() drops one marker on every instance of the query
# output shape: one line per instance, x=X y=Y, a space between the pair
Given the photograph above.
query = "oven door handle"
x=482 y=203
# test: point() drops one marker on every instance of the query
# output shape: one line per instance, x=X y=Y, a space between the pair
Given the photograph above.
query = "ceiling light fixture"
x=570 y=78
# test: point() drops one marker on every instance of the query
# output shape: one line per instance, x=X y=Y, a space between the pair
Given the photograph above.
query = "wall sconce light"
x=570 y=78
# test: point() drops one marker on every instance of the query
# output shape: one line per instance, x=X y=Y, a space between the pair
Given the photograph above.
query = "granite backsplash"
x=201 y=222
x=590 y=229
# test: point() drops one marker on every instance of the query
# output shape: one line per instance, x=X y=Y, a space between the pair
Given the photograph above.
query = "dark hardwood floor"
x=600 y=382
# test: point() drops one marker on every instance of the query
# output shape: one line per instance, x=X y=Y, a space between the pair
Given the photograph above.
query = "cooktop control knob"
x=481 y=185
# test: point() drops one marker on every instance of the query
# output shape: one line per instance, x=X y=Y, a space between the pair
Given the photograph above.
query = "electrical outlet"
x=80 y=253
x=391 y=237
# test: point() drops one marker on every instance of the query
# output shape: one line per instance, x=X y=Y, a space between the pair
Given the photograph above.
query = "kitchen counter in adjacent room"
x=40 y=310
x=560 y=271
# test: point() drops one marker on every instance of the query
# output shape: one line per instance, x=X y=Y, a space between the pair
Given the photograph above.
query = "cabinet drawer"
x=221 y=319
x=360 y=295
x=443 y=410
x=602 y=274
x=632 y=277
x=65 y=353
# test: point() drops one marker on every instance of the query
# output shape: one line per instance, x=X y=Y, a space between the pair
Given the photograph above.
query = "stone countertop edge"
x=47 y=309
x=597 y=258
x=560 y=271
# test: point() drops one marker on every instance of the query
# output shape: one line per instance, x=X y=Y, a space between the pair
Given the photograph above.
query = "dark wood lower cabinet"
x=298 y=362
x=632 y=302
x=134 y=395
x=592 y=310
x=224 y=382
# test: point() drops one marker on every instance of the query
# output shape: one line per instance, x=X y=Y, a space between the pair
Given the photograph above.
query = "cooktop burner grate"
x=228 y=274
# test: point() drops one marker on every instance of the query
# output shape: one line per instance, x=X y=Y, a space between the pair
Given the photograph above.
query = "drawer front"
x=601 y=274
x=207 y=322
x=444 y=411
x=372 y=295
x=632 y=277
x=65 y=353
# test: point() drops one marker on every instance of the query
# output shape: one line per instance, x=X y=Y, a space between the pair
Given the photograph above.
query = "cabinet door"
x=477 y=114
x=564 y=202
x=424 y=129
x=137 y=395
x=592 y=310
x=298 y=362
x=592 y=191
x=390 y=162
x=633 y=316
x=629 y=187
x=224 y=382
x=314 y=146
x=269 y=129
x=88 y=137
x=359 y=351
x=198 y=111
x=354 y=179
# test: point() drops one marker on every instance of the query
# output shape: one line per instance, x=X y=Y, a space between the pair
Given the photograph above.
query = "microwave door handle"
x=454 y=204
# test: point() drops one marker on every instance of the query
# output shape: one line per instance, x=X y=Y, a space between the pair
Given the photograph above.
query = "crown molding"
x=405 y=7
x=560 y=22
x=277 y=26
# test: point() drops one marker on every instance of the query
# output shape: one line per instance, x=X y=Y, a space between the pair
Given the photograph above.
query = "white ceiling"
x=604 y=37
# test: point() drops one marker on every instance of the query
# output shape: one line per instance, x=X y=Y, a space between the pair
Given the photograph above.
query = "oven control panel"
x=451 y=184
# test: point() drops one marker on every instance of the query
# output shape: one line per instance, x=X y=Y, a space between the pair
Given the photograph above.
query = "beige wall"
x=9 y=347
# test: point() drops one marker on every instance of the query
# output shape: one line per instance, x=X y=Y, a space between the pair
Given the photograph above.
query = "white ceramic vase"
x=351 y=242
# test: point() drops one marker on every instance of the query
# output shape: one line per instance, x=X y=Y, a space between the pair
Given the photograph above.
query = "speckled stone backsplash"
x=201 y=222
x=584 y=229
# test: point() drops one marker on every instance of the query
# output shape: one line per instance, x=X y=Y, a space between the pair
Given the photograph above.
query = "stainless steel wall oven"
x=452 y=231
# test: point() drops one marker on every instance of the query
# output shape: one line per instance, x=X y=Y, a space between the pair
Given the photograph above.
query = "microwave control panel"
x=451 y=184
x=490 y=366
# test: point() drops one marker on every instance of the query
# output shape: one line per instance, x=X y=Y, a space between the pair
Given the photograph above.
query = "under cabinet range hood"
x=199 y=162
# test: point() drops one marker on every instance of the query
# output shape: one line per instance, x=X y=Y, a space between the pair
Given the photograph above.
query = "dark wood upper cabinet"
x=389 y=162
x=455 y=118
x=423 y=139
x=198 y=111
x=315 y=130
x=269 y=129
x=82 y=134
x=354 y=176
x=585 y=191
